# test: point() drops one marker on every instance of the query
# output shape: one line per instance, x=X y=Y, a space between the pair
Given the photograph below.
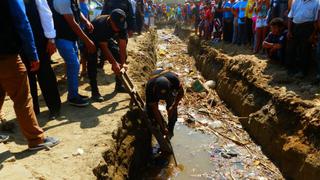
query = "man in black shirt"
x=110 y=36
x=125 y=5
x=164 y=85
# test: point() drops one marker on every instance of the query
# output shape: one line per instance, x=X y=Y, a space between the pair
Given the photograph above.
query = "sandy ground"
x=86 y=129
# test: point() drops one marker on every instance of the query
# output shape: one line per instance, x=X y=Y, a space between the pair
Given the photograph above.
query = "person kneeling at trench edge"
x=164 y=85
x=107 y=30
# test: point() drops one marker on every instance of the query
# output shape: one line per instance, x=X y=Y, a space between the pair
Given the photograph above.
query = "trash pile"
x=234 y=155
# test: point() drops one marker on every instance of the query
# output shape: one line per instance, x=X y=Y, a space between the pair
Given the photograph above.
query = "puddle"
x=192 y=149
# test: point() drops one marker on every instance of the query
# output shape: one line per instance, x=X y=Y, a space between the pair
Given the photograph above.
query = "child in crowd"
x=275 y=42
x=261 y=9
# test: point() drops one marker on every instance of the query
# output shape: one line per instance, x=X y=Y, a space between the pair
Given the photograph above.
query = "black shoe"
x=54 y=115
x=86 y=98
x=97 y=97
x=53 y=62
x=3 y=138
x=78 y=102
x=121 y=89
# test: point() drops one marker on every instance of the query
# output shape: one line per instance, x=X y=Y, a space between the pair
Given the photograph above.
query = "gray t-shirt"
x=62 y=6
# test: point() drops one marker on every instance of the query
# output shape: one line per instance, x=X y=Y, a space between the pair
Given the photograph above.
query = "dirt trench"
x=280 y=113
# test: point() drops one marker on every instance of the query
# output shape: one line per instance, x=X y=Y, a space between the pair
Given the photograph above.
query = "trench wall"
x=132 y=142
x=286 y=126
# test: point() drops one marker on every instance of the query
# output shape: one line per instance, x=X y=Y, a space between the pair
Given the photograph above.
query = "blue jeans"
x=69 y=52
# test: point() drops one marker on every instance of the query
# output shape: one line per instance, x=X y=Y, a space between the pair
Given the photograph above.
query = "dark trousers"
x=47 y=81
x=250 y=36
x=299 y=48
x=242 y=36
x=92 y=67
x=227 y=30
x=139 y=22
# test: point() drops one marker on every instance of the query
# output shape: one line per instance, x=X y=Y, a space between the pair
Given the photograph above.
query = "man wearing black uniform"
x=125 y=5
x=110 y=36
x=164 y=85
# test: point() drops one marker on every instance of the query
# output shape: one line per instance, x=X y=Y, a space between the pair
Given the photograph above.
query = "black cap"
x=162 y=87
x=118 y=16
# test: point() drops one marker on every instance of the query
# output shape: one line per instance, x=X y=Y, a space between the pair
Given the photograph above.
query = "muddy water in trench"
x=209 y=143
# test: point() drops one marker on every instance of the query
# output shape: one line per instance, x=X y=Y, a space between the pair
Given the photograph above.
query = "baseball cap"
x=118 y=16
x=162 y=87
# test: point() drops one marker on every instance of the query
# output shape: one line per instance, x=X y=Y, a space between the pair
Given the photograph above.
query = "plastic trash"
x=197 y=86
x=79 y=152
x=210 y=84
x=215 y=124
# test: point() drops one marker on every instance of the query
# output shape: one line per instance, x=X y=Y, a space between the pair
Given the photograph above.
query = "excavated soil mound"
x=280 y=112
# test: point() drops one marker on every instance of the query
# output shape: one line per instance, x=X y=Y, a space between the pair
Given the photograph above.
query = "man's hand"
x=91 y=48
x=277 y=46
x=116 y=68
x=89 y=26
x=34 y=65
x=289 y=35
x=164 y=130
x=124 y=66
x=51 y=48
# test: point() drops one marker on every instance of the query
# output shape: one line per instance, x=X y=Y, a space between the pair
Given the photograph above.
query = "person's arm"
x=267 y=45
x=47 y=25
x=158 y=117
x=63 y=7
x=21 y=23
x=85 y=21
x=178 y=98
x=107 y=53
x=46 y=19
x=123 y=51
x=78 y=31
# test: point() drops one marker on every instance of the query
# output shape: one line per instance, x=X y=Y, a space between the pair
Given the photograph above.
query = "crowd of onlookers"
x=286 y=30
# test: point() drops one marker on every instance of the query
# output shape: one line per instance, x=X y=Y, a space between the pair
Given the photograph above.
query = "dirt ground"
x=84 y=132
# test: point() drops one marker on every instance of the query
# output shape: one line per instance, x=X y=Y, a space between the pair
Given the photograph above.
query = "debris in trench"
x=197 y=86
x=233 y=154
x=210 y=84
